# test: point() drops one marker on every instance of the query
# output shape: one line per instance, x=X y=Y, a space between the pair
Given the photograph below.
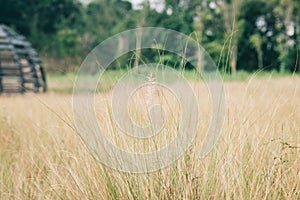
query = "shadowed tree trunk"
x=139 y=34
x=234 y=52
x=257 y=42
x=138 y=45
x=199 y=27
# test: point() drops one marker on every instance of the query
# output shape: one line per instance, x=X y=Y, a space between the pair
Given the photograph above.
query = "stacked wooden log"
x=21 y=69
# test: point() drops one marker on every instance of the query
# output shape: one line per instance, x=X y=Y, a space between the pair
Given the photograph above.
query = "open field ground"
x=256 y=157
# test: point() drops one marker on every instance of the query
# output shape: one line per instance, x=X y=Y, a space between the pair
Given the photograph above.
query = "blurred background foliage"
x=245 y=35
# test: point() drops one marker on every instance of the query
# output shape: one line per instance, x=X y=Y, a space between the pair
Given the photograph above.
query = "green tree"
x=288 y=22
x=102 y=16
x=230 y=10
x=39 y=20
x=259 y=18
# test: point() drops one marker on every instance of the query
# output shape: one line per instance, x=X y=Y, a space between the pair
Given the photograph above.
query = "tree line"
x=246 y=35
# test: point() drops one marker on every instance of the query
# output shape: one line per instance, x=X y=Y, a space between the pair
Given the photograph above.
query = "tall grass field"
x=256 y=157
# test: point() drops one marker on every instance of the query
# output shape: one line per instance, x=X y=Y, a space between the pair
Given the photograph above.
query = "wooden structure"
x=21 y=69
